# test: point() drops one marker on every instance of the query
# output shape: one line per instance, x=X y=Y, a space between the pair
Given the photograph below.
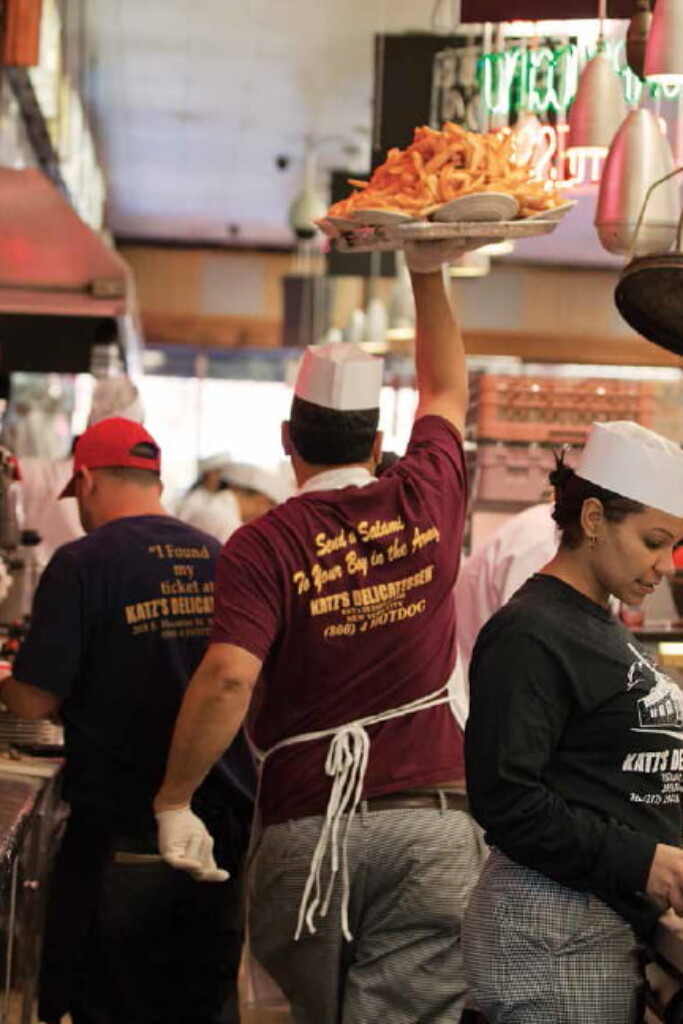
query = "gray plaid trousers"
x=537 y=952
x=412 y=871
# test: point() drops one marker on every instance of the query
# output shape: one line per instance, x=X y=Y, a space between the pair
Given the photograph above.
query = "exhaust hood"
x=62 y=289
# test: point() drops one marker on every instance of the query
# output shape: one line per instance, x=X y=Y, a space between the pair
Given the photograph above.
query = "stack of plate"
x=488 y=216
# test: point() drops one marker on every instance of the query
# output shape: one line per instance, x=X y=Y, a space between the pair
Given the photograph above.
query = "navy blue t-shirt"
x=120 y=621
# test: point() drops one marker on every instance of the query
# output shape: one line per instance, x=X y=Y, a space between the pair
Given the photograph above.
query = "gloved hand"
x=185 y=843
x=429 y=256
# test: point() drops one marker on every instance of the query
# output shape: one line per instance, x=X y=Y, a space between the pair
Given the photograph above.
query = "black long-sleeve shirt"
x=574 y=746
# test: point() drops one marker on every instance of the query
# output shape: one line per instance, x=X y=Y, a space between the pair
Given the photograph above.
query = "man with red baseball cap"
x=120 y=621
x=114 y=442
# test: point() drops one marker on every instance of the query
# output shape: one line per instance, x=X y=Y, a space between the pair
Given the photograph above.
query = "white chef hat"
x=339 y=376
x=216 y=461
x=255 y=478
x=636 y=463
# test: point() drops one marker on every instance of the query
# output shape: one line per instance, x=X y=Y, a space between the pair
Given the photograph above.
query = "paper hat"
x=635 y=463
x=254 y=478
x=339 y=376
x=114 y=442
x=216 y=461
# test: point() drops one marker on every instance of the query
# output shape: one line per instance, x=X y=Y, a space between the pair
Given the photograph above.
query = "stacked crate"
x=518 y=422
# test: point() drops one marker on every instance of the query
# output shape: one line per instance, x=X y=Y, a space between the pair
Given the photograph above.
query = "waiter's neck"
x=305 y=471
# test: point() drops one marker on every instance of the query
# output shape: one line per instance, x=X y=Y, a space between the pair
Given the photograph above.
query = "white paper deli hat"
x=255 y=478
x=339 y=376
x=635 y=463
x=216 y=461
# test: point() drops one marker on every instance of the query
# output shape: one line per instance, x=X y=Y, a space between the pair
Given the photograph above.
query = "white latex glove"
x=428 y=257
x=185 y=843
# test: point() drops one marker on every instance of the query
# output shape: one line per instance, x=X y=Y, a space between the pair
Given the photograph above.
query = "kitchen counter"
x=18 y=797
x=29 y=825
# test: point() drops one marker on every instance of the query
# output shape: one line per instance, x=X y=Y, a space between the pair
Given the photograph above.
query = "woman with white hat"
x=574 y=751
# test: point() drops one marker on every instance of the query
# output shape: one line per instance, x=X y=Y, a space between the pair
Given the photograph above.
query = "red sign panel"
x=540 y=10
x=21 y=44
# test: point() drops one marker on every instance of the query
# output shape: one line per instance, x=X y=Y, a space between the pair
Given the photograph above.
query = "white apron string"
x=346 y=764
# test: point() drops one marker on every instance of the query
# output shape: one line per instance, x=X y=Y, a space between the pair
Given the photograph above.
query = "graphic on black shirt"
x=128 y=608
x=574 y=746
x=661 y=710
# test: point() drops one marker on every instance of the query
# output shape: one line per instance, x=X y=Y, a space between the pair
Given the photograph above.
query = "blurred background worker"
x=209 y=505
x=228 y=494
x=255 y=489
x=128 y=608
x=490 y=576
x=43 y=479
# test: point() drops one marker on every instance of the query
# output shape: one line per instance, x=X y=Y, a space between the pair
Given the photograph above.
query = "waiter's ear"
x=285 y=437
x=87 y=479
x=376 y=453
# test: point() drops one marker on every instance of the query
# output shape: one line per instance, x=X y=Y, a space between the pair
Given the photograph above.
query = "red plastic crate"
x=554 y=410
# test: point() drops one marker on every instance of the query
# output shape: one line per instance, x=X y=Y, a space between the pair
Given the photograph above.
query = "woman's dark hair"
x=570 y=493
x=327 y=437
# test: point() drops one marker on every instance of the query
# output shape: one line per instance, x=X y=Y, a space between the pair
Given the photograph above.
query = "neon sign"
x=537 y=81
x=545 y=79
x=544 y=146
x=542 y=79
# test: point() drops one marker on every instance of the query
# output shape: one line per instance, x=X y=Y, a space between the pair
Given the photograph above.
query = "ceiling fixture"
x=308 y=205
x=664 y=52
x=599 y=107
x=649 y=293
x=636 y=37
x=639 y=156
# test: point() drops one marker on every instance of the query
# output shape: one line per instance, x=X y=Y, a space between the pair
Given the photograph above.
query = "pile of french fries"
x=438 y=167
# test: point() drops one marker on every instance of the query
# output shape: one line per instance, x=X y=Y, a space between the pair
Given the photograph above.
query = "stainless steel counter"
x=29 y=802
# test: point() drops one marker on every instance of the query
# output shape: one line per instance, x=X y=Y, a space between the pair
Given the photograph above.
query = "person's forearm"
x=211 y=714
x=439 y=353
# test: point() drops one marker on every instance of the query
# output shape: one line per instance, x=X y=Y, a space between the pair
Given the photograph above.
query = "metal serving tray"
x=388 y=237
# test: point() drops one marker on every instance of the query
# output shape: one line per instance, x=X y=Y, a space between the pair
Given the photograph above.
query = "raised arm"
x=439 y=352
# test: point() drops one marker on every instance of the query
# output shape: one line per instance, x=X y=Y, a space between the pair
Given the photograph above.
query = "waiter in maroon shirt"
x=334 y=635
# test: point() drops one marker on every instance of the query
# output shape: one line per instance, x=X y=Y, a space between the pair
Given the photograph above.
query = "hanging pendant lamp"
x=636 y=37
x=639 y=156
x=649 y=293
x=599 y=107
x=664 y=51
x=598 y=110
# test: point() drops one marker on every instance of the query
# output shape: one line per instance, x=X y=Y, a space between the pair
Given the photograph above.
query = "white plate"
x=381 y=218
x=478 y=206
x=554 y=213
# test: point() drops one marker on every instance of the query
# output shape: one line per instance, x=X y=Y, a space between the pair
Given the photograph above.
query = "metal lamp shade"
x=649 y=296
x=664 y=51
x=649 y=293
x=637 y=36
x=598 y=110
x=304 y=211
x=639 y=156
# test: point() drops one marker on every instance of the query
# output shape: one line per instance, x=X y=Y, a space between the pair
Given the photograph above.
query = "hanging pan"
x=649 y=293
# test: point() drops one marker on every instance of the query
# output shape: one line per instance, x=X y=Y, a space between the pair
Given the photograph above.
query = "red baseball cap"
x=114 y=442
